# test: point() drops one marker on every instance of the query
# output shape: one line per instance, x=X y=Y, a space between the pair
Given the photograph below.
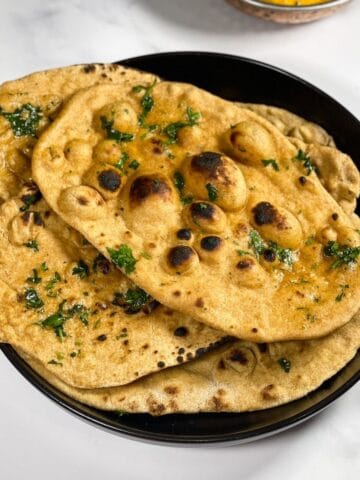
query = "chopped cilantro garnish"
x=124 y=162
x=55 y=362
x=136 y=299
x=256 y=243
x=147 y=101
x=44 y=267
x=33 y=245
x=310 y=240
x=120 y=164
x=344 y=254
x=179 y=183
x=212 y=192
x=259 y=246
x=34 y=278
x=271 y=162
x=123 y=258
x=285 y=255
x=134 y=164
x=24 y=120
x=132 y=301
x=172 y=130
x=114 y=134
x=342 y=293
x=243 y=252
x=30 y=199
x=49 y=287
x=285 y=364
x=81 y=270
x=57 y=320
x=32 y=299
x=303 y=157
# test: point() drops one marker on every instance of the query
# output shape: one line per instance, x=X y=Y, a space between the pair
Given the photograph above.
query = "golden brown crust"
x=239 y=377
x=249 y=144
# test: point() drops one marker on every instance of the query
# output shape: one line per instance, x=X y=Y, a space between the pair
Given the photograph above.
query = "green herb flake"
x=179 y=183
x=342 y=293
x=285 y=255
x=33 y=245
x=24 y=120
x=32 y=299
x=29 y=200
x=285 y=364
x=136 y=299
x=172 y=130
x=114 y=134
x=34 y=278
x=146 y=255
x=44 y=267
x=147 y=102
x=212 y=192
x=123 y=258
x=273 y=164
x=120 y=164
x=57 y=320
x=343 y=254
x=258 y=245
x=121 y=335
x=81 y=270
x=309 y=241
x=55 y=362
x=49 y=287
x=243 y=252
x=97 y=324
x=134 y=164
x=303 y=157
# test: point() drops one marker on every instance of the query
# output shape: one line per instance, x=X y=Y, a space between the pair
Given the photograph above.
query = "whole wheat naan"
x=292 y=125
x=107 y=339
x=67 y=306
x=238 y=377
x=255 y=252
x=337 y=171
x=39 y=97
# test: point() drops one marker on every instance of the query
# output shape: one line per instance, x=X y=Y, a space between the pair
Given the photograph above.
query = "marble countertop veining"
x=40 y=441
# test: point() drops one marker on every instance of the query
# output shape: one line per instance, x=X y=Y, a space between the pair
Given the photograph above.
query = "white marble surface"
x=37 y=439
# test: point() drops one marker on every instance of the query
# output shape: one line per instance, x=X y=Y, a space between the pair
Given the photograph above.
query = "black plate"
x=233 y=78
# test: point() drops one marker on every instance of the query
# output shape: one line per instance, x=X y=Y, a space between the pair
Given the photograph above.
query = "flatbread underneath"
x=239 y=377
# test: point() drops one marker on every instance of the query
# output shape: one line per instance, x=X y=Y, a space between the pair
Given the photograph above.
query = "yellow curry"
x=293 y=3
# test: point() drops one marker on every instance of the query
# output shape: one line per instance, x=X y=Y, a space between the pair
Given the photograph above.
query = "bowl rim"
x=95 y=417
x=259 y=4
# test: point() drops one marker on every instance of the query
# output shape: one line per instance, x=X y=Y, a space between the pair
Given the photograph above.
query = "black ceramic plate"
x=233 y=78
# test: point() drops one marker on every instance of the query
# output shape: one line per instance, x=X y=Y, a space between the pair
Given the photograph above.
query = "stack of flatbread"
x=163 y=250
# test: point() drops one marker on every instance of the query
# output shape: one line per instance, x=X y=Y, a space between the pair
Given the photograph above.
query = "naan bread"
x=108 y=332
x=239 y=377
x=258 y=207
x=336 y=170
x=292 y=125
x=47 y=90
x=108 y=339
x=338 y=173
